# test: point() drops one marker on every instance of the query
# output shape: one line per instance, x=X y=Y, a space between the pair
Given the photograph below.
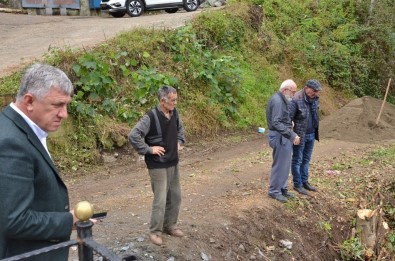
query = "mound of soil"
x=356 y=122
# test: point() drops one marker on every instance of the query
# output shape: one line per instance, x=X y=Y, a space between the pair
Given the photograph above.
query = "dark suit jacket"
x=34 y=203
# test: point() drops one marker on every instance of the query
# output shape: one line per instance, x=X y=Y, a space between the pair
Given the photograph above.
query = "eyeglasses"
x=293 y=92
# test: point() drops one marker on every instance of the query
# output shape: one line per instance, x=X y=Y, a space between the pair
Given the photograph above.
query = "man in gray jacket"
x=281 y=137
x=159 y=136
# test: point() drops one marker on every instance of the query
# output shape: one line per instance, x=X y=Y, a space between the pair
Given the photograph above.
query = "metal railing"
x=86 y=247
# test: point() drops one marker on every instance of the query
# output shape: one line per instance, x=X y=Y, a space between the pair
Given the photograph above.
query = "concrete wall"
x=16 y=4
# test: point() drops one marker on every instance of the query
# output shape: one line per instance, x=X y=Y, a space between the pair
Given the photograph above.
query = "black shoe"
x=309 y=187
x=279 y=197
x=287 y=194
x=301 y=190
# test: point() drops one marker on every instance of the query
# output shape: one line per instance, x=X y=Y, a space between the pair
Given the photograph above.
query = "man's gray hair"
x=287 y=84
x=164 y=92
x=39 y=79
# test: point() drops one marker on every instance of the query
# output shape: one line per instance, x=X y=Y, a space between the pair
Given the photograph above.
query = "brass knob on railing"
x=83 y=210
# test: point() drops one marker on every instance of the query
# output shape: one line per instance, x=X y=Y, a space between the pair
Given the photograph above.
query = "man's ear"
x=28 y=100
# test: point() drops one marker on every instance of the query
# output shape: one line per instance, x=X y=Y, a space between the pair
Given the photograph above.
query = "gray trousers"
x=282 y=153
x=165 y=184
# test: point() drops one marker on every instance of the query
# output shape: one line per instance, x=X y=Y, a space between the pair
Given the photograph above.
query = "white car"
x=118 y=8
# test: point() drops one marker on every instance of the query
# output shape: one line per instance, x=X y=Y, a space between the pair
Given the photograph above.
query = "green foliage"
x=326 y=226
x=385 y=152
x=352 y=249
x=333 y=42
x=10 y=85
x=226 y=64
x=98 y=93
x=147 y=81
x=391 y=242
x=224 y=30
x=340 y=166
x=77 y=141
x=259 y=85
x=221 y=73
x=389 y=212
x=95 y=88
x=63 y=58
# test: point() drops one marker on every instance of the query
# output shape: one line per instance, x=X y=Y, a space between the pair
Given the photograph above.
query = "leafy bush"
x=352 y=249
x=225 y=30
x=225 y=64
x=391 y=242
x=220 y=74
x=335 y=39
x=95 y=88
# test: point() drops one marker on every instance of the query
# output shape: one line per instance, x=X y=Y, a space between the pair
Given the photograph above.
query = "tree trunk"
x=371 y=7
x=372 y=229
x=367 y=224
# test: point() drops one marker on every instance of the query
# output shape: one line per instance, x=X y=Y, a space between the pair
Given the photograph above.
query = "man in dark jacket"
x=159 y=136
x=303 y=110
x=281 y=137
x=34 y=203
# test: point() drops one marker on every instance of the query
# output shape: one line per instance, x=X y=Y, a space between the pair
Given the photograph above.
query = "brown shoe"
x=175 y=232
x=156 y=239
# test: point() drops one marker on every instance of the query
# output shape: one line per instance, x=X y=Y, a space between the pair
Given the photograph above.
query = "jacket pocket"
x=273 y=138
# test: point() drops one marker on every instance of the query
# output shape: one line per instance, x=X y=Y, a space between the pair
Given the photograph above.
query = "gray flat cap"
x=314 y=84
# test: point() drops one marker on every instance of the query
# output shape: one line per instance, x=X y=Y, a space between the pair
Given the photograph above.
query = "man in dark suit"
x=34 y=202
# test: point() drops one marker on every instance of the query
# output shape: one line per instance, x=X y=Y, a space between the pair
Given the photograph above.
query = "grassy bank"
x=226 y=64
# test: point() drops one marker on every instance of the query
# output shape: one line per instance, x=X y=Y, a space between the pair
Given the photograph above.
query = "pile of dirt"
x=356 y=122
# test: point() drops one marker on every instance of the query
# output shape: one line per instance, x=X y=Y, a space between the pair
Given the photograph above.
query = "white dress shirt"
x=41 y=135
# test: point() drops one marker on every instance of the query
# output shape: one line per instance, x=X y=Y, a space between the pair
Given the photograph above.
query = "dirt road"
x=226 y=212
x=27 y=37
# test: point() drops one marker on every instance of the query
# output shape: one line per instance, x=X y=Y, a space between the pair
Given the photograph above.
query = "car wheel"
x=117 y=15
x=191 y=5
x=134 y=7
x=171 y=10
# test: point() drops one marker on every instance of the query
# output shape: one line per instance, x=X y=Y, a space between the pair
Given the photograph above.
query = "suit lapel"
x=32 y=137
